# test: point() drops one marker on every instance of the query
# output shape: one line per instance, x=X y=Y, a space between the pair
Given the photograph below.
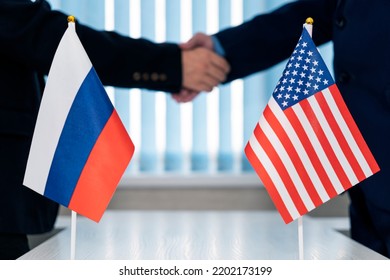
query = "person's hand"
x=198 y=40
x=185 y=95
x=203 y=69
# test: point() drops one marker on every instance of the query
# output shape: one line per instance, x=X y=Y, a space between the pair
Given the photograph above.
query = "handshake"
x=203 y=69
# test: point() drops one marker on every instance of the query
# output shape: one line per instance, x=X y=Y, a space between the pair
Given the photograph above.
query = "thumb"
x=198 y=40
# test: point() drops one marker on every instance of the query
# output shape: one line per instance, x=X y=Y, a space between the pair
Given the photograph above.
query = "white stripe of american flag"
x=318 y=148
x=347 y=133
x=333 y=141
x=274 y=175
x=287 y=162
x=289 y=129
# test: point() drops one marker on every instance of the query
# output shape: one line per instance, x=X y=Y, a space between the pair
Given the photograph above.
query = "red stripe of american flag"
x=269 y=183
x=284 y=172
x=340 y=137
x=293 y=153
x=312 y=154
x=312 y=136
x=342 y=107
x=324 y=141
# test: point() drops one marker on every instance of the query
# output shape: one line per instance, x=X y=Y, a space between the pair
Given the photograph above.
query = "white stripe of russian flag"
x=68 y=65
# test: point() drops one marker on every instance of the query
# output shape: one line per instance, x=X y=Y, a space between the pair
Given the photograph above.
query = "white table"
x=201 y=235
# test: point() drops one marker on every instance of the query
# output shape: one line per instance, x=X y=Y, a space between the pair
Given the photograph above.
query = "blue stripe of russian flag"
x=81 y=130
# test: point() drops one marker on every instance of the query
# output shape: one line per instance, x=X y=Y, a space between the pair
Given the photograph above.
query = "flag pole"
x=73 y=235
x=309 y=27
x=300 y=238
x=74 y=214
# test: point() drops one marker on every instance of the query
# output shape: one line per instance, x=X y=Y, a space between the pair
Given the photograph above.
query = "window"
x=209 y=135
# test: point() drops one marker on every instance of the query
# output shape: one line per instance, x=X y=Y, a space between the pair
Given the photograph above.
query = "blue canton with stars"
x=304 y=75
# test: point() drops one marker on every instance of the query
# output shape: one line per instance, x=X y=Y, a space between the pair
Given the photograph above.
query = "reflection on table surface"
x=201 y=235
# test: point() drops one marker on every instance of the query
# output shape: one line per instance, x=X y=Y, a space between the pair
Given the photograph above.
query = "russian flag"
x=80 y=148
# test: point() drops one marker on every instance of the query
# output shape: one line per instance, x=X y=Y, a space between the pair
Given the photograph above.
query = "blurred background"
x=189 y=156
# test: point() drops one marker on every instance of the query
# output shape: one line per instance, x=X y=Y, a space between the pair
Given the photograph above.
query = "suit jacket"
x=360 y=32
x=29 y=35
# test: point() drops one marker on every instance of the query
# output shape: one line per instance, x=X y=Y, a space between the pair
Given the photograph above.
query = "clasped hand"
x=203 y=69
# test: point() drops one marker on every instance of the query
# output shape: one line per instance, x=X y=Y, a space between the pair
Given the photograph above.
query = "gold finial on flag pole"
x=309 y=20
x=309 y=25
x=71 y=19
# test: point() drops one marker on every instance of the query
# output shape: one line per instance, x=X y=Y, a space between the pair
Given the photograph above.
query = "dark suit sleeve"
x=270 y=38
x=31 y=32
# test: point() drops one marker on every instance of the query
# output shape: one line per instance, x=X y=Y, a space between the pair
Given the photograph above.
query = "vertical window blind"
x=208 y=135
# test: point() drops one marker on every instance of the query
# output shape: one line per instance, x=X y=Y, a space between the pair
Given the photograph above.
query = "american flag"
x=306 y=147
